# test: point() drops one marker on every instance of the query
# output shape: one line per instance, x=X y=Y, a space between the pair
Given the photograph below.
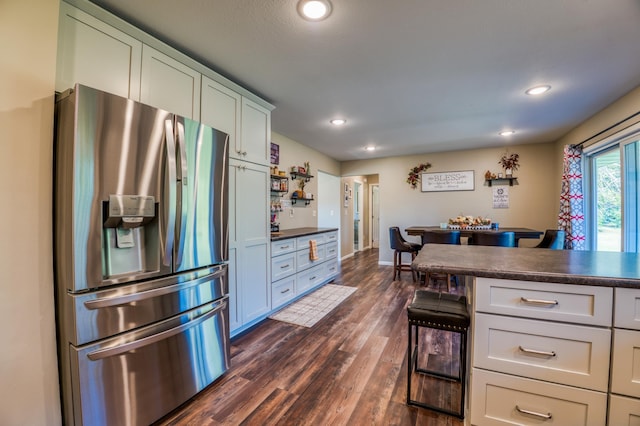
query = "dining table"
x=466 y=232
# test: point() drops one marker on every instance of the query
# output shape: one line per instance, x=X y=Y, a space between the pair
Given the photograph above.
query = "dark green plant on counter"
x=414 y=174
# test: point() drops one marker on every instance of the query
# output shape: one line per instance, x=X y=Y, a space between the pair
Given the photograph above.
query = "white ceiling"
x=411 y=76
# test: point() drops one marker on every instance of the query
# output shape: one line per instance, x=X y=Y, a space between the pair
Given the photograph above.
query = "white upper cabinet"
x=255 y=136
x=168 y=84
x=95 y=54
x=221 y=109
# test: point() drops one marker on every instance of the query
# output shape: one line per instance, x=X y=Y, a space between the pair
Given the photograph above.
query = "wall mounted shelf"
x=307 y=201
x=502 y=181
x=296 y=175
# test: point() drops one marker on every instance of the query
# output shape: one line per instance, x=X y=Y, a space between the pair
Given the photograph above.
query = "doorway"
x=358 y=242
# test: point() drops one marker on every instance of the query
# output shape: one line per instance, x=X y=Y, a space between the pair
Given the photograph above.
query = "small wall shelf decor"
x=297 y=175
x=307 y=201
x=502 y=181
x=302 y=175
x=279 y=183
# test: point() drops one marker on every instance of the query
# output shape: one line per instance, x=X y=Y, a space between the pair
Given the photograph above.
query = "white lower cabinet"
x=624 y=403
x=292 y=266
x=541 y=353
x=503 y=399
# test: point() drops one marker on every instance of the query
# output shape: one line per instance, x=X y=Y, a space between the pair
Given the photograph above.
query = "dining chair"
x=553 y=239
x=441 y=237
x=491 y=238
x=399 y=245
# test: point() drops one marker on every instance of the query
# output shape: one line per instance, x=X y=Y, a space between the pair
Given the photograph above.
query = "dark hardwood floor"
x=349 y=369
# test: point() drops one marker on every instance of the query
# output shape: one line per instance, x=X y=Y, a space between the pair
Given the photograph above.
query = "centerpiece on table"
x=469 y=222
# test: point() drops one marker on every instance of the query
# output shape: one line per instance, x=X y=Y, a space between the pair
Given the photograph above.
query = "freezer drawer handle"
x=107 y=302
x=128 y=347
x=533 y=413
x=539 y=301
x=536 y=352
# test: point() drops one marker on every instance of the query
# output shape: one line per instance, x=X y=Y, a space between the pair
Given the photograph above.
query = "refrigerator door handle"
x=106 y=302
x=145 y=341
x=183 y=178
x=171 y=166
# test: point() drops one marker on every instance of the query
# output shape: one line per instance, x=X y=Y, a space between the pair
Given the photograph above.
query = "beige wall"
x=28 y=365
x=293 y=153
x=532 y=201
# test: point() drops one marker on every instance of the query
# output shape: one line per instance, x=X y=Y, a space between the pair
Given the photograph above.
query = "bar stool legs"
x=440 y=311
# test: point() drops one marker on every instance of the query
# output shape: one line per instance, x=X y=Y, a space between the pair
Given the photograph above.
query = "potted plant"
x=299 y=193
x=510 y=163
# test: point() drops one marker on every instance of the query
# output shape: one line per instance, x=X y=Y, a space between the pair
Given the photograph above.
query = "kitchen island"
x=555 y=334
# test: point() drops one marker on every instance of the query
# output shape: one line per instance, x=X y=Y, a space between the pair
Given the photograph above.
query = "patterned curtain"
x=571 y=215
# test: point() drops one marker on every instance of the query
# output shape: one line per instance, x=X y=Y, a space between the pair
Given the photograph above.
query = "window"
x=612 y=171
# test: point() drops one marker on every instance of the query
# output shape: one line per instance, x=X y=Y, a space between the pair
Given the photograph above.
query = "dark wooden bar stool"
x=399 y=245
x=442 y=311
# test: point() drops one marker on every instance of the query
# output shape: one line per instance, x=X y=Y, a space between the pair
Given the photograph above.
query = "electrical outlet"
x=314 y=213
x=290 y=212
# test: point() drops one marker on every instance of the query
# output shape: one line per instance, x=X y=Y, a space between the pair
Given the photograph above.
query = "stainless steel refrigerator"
x=141 y=241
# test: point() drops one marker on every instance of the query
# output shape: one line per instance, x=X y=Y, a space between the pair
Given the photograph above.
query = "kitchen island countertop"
x=608 y=269
x=298 y=232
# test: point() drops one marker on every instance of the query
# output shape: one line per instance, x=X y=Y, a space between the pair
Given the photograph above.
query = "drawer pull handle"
x=312 y=278
x=284 y=266
x=285 y=291
x=535 y=352
x=533 y=413
x=539 y=301
x=284 y=247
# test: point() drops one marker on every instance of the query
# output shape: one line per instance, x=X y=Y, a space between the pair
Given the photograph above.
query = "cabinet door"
x=255 y=135
x=249 y=232
x=92 y=53
x=221 y=109
x=168 y=84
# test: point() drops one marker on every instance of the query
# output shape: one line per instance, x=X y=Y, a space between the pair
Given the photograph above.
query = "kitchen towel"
x=313 y=250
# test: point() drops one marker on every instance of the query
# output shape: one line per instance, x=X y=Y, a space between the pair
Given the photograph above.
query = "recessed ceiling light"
x=314 y=10
x=507 y=132
x=370 y=148
x=338 y=121
x=538 y=90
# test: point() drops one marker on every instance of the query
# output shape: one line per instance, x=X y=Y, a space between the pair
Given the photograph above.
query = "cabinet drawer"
x=302 y=258
x=282 y=291
x=589 y=305
x=309 y=278
x=303 y=242
x=283 y=246
x=331 y=250
x=625 y=373
x=283 y=266
x=562 y=353
x=624 y=411
x=331 y=237
x=500 y=399
x=330 y=269
x=627 y=309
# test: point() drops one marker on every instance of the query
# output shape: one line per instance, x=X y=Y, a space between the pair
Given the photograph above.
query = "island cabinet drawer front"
x=309 y=278
x=283 y=291
x=624 y=411
x=303 y=242
x=304 y=262
x=500 y=399
x=625 y=371
x=283 y=266
x=588 y=305
x=331 y=250
x=283 y=246
x=561 y=353
x=627 y=309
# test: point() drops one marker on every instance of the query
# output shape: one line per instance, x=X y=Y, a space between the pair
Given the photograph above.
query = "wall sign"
x=500 y=197
x=275 y=153
x=448 y=181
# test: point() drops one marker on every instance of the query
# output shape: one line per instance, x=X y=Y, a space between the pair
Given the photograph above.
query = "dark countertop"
x=298 y=232
x=531 y=264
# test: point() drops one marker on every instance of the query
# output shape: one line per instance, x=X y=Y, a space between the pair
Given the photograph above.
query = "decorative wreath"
x=414 y=174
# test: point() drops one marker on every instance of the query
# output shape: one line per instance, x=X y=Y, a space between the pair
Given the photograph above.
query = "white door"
x=375 y=216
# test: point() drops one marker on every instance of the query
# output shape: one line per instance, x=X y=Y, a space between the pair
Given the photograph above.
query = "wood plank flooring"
x=349 y=369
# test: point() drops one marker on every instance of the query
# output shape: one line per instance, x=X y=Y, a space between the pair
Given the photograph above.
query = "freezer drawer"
x=98 y=315
x=138 y=377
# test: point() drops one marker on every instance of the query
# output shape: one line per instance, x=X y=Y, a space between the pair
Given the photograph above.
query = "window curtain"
x=571 y=215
